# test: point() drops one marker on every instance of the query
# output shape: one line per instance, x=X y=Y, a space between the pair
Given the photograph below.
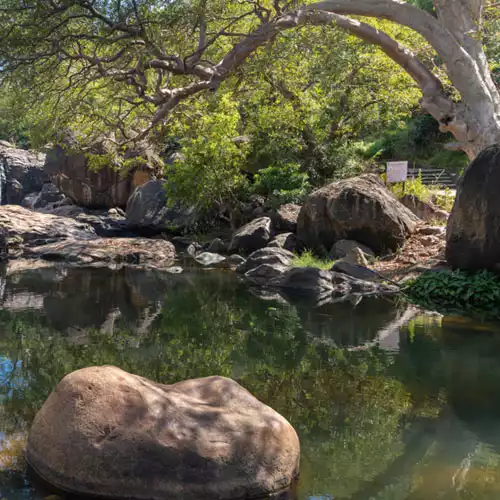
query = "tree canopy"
x=127 y=64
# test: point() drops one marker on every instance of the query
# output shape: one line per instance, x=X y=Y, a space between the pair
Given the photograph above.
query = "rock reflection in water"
x=417 y=421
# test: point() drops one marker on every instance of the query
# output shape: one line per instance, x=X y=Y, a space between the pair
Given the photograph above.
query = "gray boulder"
x=342 y=248
x=217 y=246
x=473 y=234
x=355 y=270
x=48 y=195
x=107 y=433
x=270 y=256
x=285 y=218
x=252 y=236
x=265 y=273
x=209 y=259
x=21 y=173
x=424 y=210
x=147 y=209
x=232 y=262
x=288 y=241
x=360 y=209
x=305 y=281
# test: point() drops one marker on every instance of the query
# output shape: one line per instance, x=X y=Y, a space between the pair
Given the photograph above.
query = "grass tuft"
x=308 y=259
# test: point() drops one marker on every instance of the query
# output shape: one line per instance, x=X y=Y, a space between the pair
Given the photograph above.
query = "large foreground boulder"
x=21 y=173
x=99 y=183
x=473 y=234
x=143 y=252
x=108 y=433
x=360 y=209
x=147 y=209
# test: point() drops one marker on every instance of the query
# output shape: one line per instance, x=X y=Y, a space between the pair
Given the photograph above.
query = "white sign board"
x=397 y=171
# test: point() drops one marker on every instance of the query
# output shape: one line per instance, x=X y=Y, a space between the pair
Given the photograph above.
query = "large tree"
x=149 y=55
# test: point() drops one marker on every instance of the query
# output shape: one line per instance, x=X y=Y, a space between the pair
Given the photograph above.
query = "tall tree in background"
x=138 y=59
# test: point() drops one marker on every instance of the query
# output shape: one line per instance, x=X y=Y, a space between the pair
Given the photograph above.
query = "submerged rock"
x=473 y=235
x=108 y=433
x=252 y=236
x=133 y=251
x=360 y=209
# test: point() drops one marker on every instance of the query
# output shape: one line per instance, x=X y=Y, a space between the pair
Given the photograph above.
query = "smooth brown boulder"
x=108 y=433
x=360 y=209
x=473 y=233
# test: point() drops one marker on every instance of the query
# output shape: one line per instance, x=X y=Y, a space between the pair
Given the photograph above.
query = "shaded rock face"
x=424 y=210
x=21 y=173
x=252 y=236
x=106 y=432
x=4 y=247
x=134 y=251
x=343 y=248
x=288 y=241
x=285 y=218
x=473 y=233
x=34 y=228
x=147 y=209
x=360 y=209
x=106 y=187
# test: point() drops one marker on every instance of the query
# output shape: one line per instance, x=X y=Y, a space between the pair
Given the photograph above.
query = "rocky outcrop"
x=107 y=223
x=96 y=179
x=473 y=233
x=147 y=209
x=105 y=251
x=104 y=432
x=21 y=173
x=25 y=227
x=252 y=236
x=49 y=195
x=361 y=209
x=424 y=210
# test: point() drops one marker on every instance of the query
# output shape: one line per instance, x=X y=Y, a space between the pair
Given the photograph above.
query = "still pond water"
x=389 y=403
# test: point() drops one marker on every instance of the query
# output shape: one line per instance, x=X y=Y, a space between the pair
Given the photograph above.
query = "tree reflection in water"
x=418 y=423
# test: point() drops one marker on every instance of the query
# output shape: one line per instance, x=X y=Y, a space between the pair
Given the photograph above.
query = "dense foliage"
x=458 y=291
x=316 y=98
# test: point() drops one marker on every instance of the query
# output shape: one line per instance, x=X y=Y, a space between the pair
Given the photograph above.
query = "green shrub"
x=308 y=259
x=414 y=187
x=282 y=183
x=457 y=291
